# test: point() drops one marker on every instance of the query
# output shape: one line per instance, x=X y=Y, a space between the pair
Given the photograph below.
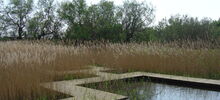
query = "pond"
x=146 y=90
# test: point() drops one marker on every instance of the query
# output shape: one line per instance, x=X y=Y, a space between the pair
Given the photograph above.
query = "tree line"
x=104 y=21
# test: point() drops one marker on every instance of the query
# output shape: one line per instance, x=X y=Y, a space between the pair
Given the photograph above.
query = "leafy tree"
x=102 y=21
x=74 y=14
x=185 y=28
x=160 y=30
x=1 y=17
x=107 y=23
x=16 y=15
x=148 y=34
x=91 y=20
x=44 y=22
x=33 y=27
x=216 y=33
x=135 y=17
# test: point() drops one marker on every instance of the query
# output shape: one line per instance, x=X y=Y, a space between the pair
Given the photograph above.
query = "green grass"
x=52 y=95
x=122 y=87
x=66 y=77
x=120 y=71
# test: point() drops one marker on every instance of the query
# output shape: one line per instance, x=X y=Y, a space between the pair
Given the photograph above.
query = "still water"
x=155 y=91
x=158 y=91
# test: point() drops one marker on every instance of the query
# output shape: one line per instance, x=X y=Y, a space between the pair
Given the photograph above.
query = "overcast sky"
x=194 y=8
x=166 y=8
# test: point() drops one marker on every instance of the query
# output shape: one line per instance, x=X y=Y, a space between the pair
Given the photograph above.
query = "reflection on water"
x=145 y=90
x=157 y=91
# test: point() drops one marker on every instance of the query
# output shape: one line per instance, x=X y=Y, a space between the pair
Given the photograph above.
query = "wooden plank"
x=73 y=87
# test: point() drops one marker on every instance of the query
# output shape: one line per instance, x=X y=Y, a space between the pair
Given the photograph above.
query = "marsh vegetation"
x=26 y=64
x=39 y=39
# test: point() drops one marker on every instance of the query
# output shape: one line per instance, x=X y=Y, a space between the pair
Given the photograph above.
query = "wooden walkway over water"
x=78 y=92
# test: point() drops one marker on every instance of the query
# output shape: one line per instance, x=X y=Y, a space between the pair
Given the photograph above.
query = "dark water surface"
x=156 y=91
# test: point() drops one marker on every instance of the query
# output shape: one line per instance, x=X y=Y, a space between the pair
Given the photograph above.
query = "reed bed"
x=26 y=64
x=191 y=61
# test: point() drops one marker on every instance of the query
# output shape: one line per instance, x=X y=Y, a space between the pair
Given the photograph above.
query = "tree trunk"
x=128 y=37
x=20 y=31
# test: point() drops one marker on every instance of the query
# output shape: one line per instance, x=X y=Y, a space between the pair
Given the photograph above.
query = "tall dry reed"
x=26 y=64
x=169 y=58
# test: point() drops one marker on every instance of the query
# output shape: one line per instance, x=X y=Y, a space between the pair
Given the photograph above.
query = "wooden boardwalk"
x=78 y=92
